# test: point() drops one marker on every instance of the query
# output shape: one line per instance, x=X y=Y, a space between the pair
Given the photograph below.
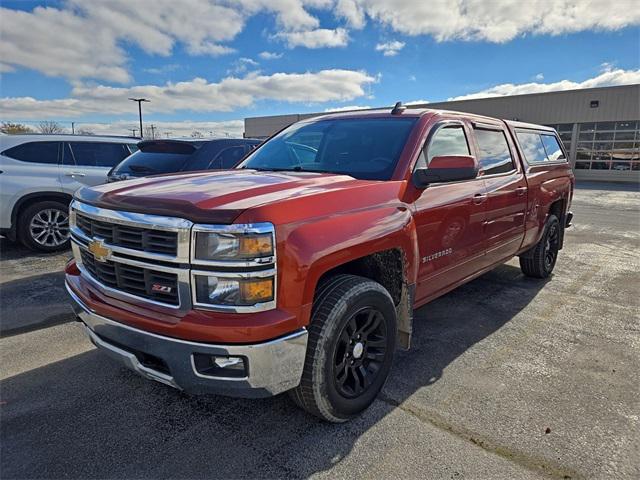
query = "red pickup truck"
x=299 y=269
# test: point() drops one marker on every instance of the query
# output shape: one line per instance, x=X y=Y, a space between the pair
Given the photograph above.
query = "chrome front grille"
x=145 y=258
x=139 y=281
x=135 y=238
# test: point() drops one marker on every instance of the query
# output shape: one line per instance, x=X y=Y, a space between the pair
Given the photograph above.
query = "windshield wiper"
x=141 y=168
x=297 y=168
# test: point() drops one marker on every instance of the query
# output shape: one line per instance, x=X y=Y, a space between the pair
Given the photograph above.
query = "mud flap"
x=404 y=311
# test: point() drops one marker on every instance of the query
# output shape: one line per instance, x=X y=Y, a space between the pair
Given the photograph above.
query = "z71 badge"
x=156 y=287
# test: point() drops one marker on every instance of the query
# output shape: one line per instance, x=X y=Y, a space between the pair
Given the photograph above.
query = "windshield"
x=366 y=149
x=150 y=163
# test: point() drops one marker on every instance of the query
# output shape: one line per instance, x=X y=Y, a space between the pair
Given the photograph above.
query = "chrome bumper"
x=271 y=367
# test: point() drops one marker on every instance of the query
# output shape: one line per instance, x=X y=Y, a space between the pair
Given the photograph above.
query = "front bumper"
x=270 y=368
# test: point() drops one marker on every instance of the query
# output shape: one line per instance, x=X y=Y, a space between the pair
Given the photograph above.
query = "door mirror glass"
x=446 y=168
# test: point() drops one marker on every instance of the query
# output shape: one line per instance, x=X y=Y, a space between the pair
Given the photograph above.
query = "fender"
x=311 y=249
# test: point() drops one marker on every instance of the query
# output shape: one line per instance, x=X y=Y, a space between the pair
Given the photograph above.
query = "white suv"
x=40 y=173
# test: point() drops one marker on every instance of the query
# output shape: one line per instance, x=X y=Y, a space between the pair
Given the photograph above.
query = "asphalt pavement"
x=508 y=377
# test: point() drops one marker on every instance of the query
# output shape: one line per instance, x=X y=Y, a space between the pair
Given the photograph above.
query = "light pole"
x=139 y=100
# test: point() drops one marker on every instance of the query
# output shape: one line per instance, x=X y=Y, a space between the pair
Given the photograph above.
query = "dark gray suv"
x=156 y=157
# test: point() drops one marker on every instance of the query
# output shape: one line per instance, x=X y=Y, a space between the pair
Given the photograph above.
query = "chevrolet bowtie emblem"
x=98 y=250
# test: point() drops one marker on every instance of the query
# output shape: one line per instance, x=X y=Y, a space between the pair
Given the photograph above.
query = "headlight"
x=215 y=290
x=233 y=242
x=234 y=267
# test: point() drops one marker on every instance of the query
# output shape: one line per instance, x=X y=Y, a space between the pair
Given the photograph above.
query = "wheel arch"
x=29 y=199
x=391 y=269
x=559 y=208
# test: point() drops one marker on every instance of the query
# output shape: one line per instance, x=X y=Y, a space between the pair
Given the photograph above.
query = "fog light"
x=219 y=366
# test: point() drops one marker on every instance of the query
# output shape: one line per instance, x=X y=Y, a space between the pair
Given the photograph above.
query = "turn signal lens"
x=232 y=246
x=256 y=246
x=257 y=291
x=221 y=291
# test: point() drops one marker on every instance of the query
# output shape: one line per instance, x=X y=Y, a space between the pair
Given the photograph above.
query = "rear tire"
x=352 y=339
x=541 y=259
x=44 y=226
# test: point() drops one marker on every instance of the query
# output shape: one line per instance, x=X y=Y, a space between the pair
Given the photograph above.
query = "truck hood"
x=212 y=197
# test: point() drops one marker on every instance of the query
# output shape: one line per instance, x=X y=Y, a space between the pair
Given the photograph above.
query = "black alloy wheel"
x=360 y=352
x=540 y=260
x=551 y=246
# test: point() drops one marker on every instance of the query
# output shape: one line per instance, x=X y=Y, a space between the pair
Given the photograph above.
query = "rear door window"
x=494 y=153
x=97 y=154
x=34 y=152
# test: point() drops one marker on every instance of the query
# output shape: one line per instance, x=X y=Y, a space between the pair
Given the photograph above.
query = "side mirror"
x=446 y=168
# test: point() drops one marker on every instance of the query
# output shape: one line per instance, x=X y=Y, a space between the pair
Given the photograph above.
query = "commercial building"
x=600 y=127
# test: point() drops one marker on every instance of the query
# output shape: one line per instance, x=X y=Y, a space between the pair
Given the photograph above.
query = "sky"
x=207 y=64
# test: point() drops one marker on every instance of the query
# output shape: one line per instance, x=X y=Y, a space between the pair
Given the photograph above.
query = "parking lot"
x=508 y=377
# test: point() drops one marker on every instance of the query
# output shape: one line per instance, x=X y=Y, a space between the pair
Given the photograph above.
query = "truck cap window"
x=540 y=147
x=495 y=156
x=532 y=147
x=364 y=148
x=551 y=145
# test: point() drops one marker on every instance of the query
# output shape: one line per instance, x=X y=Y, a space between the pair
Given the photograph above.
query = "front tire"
x=540 y=260
x=44 y=226
x=352 y=339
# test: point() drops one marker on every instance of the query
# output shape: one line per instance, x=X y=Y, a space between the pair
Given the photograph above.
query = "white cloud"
x=347 y=108
x=492 y=20
x=156 y=25
x=607 y=78
x=270 y=55
x=86 y=40
x=60 y=43
x=416 y=102
x=539 y=77
x=230 y=128
x=196 y=95
x=390 y=49
x=352 y=11
x=318 y=38
x=168 y=68
x=290 y=14
x=241 y=65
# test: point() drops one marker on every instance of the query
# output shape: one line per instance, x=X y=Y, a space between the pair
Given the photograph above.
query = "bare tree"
x=149 y=133
x=49 y=126
x=197 y=134
x=14 y=128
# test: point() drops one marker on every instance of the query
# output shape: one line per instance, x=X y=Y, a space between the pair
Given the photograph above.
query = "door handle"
x=75 y=174
x=479 y=198
x=520 y=191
